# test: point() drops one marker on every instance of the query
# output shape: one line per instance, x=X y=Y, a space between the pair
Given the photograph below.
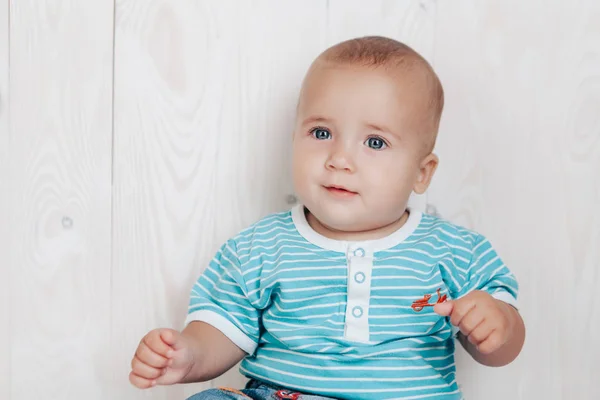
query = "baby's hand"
x=163 y=357
x=484 y=320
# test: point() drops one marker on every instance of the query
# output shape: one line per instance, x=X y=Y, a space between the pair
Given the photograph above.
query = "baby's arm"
x=213 y=352
x=166 y=356
x=222 y=322
x=484 y=307
x=222 y=326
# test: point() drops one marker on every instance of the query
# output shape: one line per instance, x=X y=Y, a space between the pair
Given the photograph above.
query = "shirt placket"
x=360 y=266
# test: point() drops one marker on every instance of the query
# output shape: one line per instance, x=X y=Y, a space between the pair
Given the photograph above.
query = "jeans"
x=255 y=390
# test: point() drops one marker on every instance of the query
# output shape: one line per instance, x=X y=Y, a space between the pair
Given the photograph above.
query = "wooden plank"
x=60 y=204
x=410 y=22
x=205 y=98
x=4 y=212
x=520 y=162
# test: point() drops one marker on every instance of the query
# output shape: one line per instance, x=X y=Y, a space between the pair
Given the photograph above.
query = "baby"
x=351 y=294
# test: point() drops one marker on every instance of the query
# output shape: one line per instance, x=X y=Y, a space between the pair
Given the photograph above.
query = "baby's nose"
x=340 y=160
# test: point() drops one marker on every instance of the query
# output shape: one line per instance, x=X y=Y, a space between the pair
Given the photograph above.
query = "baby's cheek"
x=300 y=180
x=389 y=187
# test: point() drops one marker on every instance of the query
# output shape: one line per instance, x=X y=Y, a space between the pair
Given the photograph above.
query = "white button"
x=359 y=277
x=359 y=252
x=357 y=312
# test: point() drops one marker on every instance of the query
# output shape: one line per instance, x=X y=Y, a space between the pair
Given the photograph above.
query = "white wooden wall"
x=135 y=137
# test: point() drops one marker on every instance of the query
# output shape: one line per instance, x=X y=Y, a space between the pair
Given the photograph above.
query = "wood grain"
x=520 y=162
x=5 y=254
x=60 y=206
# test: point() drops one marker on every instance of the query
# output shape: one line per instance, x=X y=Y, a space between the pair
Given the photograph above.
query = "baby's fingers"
x=157 y=344
x=480 y=333
x=148 y=356
x=492 y=343
x=144 y=370
x=139 y=382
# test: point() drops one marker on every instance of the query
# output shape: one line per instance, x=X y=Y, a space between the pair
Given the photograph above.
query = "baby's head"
x=367 y=120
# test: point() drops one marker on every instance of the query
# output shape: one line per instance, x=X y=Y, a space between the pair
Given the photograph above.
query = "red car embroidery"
x=423 y=302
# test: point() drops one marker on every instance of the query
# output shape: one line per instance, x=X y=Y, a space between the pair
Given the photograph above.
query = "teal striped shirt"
x=350 y=320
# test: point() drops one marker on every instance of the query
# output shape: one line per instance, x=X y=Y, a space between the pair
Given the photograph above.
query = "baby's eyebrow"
x=316 y=119
x=378 y=128
x=382 y=128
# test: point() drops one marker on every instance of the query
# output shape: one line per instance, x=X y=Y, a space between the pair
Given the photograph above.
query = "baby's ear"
x=426 y=170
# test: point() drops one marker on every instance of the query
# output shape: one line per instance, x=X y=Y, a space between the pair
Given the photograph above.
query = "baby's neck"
x=371 y=234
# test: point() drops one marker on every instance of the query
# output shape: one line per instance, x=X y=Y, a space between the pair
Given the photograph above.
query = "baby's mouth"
x=340 y=191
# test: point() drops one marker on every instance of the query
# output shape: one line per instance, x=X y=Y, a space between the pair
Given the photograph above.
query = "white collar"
x=369 y=246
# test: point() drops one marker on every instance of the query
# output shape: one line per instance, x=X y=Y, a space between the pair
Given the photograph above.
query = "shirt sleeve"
x=487 y=272
x=220 y=298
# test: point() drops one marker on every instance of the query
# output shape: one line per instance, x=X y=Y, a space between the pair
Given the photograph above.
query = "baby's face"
x=356 y=152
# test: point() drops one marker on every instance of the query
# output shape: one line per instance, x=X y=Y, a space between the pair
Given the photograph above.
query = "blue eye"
x=376 y=143
x=321 y=134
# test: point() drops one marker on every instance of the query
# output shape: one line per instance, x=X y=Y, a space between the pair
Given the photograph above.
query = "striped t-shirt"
x=349 y=320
